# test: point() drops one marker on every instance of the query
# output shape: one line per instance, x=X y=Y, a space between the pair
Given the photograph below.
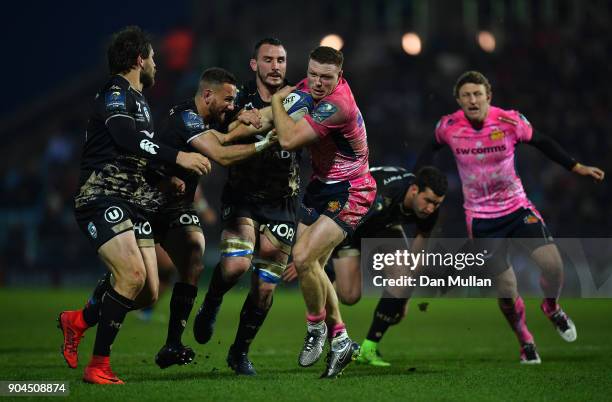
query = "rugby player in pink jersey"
x=338 y=196
x=483 y=138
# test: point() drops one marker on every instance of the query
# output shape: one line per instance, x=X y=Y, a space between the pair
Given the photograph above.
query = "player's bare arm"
x=250 y=117
x=208 y=143
x=239 y=130
x=291 y=135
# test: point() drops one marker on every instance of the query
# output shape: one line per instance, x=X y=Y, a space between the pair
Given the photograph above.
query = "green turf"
x=456 y=350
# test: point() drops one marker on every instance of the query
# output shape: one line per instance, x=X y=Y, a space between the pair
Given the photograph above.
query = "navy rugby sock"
x=91 y=311
x=388 y=312
x=251 y=319
x=113 y=309
x=181 y=303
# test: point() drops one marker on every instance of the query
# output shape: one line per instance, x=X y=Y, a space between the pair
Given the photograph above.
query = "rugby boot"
x=313 y=345
x=529 y=354
x=239 y=362
x=169 y=355
x=341 y=353
x=73 y=326
x=370 y=355
x=99 y=371
x=562 y=323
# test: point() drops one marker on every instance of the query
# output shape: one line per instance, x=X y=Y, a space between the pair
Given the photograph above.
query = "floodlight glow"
x=332 y=40
x=411 y=43
x=486 y=40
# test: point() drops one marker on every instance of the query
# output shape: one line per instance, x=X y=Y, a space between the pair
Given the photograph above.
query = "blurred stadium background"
x=549 y=59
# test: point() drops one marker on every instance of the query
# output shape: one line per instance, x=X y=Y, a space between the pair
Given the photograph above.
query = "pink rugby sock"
x=514 y=311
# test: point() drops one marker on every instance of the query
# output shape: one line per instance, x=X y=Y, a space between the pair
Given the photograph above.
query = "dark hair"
x=327 y=55
x=265 y=41
x=431 y=177
x=471 y=77
x=215 y=76
x=125 y=47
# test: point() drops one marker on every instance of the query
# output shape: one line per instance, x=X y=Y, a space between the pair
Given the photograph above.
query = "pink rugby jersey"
x=485 y=160
x=342 y=150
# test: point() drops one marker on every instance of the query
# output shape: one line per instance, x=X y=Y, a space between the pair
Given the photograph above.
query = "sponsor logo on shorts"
x=529 y=219
x=188 y=219
x=333 y=206
x=282 y=230
x=143 y=228
x=113 y=214
x=93 y=231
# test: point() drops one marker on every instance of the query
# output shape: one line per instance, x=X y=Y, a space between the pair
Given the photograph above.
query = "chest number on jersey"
x=143 y=109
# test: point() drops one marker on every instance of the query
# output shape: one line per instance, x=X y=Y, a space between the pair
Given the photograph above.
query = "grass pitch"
x=458 y=349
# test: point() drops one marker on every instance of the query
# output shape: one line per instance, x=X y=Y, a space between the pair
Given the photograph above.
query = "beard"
x=217 y=114
x=147 y=79
x=263 y=78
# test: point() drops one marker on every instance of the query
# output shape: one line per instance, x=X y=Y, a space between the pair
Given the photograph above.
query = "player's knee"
x=550 y=263
x=302 y=260
x=349 y=299
x=349 y=296
x=234 y=268
x=196 y=248
x=132 y=278
x=235 y=257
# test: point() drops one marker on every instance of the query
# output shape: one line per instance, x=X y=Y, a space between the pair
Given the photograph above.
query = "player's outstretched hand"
x=272 y=136
x=194 y=162
x=269 y=140
x=592 y=171
x=251 y=117
x=290 y=273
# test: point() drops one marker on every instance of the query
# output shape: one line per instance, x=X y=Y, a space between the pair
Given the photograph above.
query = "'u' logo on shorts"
x=113 y=214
